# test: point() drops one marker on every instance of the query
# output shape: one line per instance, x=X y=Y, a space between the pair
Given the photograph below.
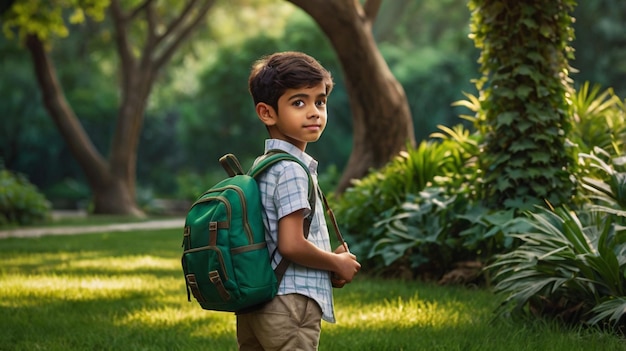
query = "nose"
x=314 y=112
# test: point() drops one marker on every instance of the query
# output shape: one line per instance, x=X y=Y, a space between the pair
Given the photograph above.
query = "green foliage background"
x=200 y=108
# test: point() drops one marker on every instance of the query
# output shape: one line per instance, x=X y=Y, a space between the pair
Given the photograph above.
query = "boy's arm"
x=295 y=247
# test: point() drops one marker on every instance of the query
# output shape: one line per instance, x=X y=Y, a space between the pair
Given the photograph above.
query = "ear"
x=266 y=113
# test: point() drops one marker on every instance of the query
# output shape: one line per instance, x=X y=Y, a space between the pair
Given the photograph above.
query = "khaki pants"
x=287 y=323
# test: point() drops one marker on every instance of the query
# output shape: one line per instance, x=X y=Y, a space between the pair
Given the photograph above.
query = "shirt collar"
x=273 y=144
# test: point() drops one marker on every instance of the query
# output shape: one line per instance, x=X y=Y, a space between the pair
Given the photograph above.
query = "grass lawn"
x=125 y=291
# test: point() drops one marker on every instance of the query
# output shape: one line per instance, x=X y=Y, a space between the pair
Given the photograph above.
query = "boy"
x=289 y=90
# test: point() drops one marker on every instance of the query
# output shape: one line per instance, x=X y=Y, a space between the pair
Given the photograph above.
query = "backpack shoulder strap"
x=270 y=158
x=273 y=156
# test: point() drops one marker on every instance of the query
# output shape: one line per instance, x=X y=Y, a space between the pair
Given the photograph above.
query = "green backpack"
x=225 y=260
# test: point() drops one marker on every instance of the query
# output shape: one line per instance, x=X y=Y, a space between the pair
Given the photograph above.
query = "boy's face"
x=301 y=118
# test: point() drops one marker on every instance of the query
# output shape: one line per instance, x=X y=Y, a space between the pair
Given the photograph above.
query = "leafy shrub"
x=572 y=265
x=569 y=266
x=20 y=201
x=406 y=214
x=419 y=234
x=435 y=230
x=488 y=233
x=374 y=197
x=428 y=214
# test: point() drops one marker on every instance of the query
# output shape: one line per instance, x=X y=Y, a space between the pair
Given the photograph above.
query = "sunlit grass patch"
x=401 y=313
x=411 y=304
x=126 y=263
x=87 y=275
x=80 y=263
x=198 y=321
x=30 y=288
x=162 y=316
x=125 y=291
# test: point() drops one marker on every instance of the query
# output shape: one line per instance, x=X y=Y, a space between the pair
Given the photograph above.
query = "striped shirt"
x=284 y=190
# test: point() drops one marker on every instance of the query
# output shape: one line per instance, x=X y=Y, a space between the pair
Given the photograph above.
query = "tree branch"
x=371 y=8
x=173 y=26
x=184 y=28
x=138 y=9
x=151 y=35
x=121 y=40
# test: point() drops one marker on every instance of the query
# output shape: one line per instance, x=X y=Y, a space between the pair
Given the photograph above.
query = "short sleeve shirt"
x=284 y=190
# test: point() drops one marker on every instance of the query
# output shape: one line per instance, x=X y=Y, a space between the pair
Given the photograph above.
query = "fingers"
x=348 y=268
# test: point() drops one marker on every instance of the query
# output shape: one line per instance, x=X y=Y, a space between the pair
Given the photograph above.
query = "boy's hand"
x=348 y=267
x=334 y=278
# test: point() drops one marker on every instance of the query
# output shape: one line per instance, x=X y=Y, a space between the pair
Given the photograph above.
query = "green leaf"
x=540 y=157
x=611 y=310
x=523 y=91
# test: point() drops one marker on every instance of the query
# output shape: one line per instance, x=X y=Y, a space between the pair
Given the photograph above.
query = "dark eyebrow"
x=303 y=96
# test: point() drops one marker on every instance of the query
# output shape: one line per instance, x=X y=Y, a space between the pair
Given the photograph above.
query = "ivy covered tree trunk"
x=524 y=93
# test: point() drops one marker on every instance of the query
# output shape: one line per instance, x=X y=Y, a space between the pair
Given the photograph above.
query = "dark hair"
x=272 y=75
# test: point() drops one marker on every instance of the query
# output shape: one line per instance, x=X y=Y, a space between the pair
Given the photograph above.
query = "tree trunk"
x=112 y=191
x=380 y=110
x=113 y=182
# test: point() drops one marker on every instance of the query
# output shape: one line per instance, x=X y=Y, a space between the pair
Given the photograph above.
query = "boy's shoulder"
x=298 y=161
x=288 y=187
x=285 y=170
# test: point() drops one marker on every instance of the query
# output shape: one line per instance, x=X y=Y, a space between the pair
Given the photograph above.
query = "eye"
x=298 y=103
x=321 y=102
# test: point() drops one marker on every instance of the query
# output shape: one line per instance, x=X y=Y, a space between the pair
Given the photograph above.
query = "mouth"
x=313 y=126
